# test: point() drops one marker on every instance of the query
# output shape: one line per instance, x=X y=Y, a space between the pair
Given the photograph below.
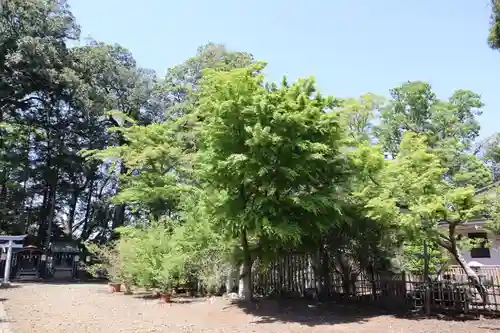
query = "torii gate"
x=7 y=244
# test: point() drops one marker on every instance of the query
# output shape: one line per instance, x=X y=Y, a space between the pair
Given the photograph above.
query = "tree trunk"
x=345 y=272
x=42 y=222
x=50 y=217
x=23 y=223
x=471 y=274
x=88 y=212
x=245 y=290
x=427 y=303
x=317 y=268
x=371 y=270
x=230 y=280
x=72 y=210
x=3 y=197
x=119 y=217
x=244 y=286
x=48 y=188
x=325 y=274
x=426 y=262
x=310 y=273
x=353 y=277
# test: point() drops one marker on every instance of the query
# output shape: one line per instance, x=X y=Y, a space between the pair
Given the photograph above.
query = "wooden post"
x=6 y=275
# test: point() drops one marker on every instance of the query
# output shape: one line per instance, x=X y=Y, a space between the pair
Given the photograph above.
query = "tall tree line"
x=271 y=167
x=55 y=101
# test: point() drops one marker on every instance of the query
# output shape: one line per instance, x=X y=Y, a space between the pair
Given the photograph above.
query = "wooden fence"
x=298 y=275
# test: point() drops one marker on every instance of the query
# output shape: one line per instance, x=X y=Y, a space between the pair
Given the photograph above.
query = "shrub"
x=106 y=262
x=150 y=260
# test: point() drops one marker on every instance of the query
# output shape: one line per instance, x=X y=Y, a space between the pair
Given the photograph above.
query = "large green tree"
x=441 y=156
x=53 y=103
x=155 y=159
x=274 y=152
x=415 y=191
x=34 y=88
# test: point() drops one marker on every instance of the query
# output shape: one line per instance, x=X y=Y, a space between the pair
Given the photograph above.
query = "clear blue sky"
x=350 y=46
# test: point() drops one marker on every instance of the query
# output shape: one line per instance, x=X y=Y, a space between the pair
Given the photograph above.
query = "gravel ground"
x=90 y=308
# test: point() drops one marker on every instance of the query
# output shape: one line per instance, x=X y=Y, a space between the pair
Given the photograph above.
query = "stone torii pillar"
x=10 y=245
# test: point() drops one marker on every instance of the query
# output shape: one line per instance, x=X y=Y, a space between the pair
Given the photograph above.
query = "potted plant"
x=128 y=282
x=107 y=264
x=115 y=286
x=127 y=274
x=166 y=293
x=164 y=282
x=113 y=273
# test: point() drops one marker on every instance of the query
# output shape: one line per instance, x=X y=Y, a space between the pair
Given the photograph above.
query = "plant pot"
x=115 y=287
x=165 y=297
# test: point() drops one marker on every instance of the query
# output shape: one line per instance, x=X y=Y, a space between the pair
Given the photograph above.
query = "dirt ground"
x=90 y=308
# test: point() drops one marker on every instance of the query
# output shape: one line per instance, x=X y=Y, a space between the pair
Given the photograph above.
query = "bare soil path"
x=90 y=308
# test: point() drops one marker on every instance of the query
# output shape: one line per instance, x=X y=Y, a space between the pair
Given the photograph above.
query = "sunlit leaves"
x=274 y=151
x=157 y=166
x=414 y=192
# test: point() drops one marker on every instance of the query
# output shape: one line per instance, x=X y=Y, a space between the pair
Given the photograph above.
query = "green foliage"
x=413 y=259
x=416 y=180
x=491 y=200
x=176 y=90
x=157 y=168
x=274 y=152
x=211 y=166
x=357 y=117
x=494 y=35
x=152 y=260
x=106 y=262
x=429 y=189
x=450 y=126
x=271 y=173
x=488 y=150
x=209 y=255
x=165 y=254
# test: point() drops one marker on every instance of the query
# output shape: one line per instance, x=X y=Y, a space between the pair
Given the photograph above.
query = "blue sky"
x=350 y=46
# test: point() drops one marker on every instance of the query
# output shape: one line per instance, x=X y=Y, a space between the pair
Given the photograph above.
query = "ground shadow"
x=4 y=320
x=10 y=286
x=146 y=296
x=61 y=282
x=489 y=328
x=183 y=300
x=310 y=313
x=173 y=300
x=450 y=315
x=443 y=316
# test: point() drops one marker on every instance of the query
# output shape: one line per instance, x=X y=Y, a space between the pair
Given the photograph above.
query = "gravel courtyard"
x=90 y=308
